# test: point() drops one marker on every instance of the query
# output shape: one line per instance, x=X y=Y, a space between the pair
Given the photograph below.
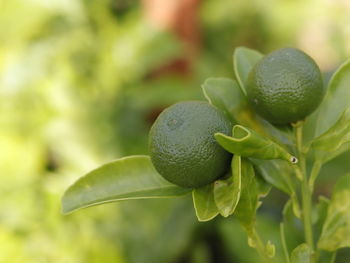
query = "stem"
x=284 y=244
x=305 y=190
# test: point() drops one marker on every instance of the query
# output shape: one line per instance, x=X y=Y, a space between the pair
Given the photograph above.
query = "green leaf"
x=319 y=215
x=248 y=143
x=279 y=174
x=228 y=191
x=132 y=177
x=336 y=229
x=225 y=94
x=249 y=200
x=301 y=254
x=335 y=140
x=243 y=61
x=204 y=203
x=263 y=186
x=275 y=172
x=336 y=100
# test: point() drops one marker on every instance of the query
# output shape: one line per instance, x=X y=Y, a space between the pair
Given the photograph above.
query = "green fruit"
x=182 y=144
x=285 y=86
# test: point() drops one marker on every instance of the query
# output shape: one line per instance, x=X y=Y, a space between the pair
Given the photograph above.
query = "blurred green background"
x=81 y=82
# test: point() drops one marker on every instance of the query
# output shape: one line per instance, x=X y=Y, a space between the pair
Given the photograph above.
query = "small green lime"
x=285 y=86
x=182 y=144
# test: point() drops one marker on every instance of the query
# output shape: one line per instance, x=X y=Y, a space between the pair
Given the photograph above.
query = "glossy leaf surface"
x=227 y=192
x=336 y=229
x=132 y=177
x=248 y=143
x=204 y=203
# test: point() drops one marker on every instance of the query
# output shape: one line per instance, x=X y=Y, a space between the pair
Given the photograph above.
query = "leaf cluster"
x=263 y=157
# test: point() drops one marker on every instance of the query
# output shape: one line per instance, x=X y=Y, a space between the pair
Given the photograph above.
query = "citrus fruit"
x=285 y=86
x=182 y=144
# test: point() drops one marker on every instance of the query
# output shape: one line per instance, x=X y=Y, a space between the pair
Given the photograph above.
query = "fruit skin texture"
x=182 y=144
x=285 y=86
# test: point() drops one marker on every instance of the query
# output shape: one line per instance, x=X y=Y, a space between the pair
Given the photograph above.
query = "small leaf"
x=334 y=139
x=249 y=201
x=301 y=254
x=336 y=100
x=336 y=229
x=243 y=61
x=248 y=143
x=204 y=203
x=227 y=192
x=225 y=94
x=132 y=177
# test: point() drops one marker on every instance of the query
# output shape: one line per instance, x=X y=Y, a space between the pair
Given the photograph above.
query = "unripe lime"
x=182 y=144
x=285 y=86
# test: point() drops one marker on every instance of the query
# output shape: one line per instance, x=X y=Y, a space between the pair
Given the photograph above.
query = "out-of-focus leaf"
x=301 y=254
x=204 y=203
x=225 y=94
x=336 y=100
x=227 y=192
x=247 y=143
x=132 y=177
x=249 y=200
x=331 y=143
x=243 y=61
x=336 y=229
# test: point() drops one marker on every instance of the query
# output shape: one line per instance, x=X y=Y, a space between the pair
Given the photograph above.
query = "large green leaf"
x=249 y=199
x=335 y=140
x=204 y=203
x=132 y=177
x=336 y=229
x=227 y=191
x=336 y=100
x=243 y=61
x=301 y=254
x=248 y=143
